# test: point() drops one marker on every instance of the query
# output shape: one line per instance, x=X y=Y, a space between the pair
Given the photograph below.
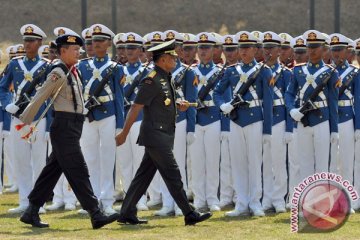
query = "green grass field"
x=71 y=225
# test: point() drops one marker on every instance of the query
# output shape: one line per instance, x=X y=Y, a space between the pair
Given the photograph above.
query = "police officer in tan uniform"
x=63 y=84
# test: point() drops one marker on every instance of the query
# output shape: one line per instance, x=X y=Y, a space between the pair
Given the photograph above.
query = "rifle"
x=180 y=76
x=205 y=91
x=237 y=100
x=348 y=81
x=133 y=85
x=309 y=105
x=92 y=102
x=25 y=94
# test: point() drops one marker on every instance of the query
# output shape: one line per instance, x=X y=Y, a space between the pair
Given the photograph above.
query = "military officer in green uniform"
x=156 y=96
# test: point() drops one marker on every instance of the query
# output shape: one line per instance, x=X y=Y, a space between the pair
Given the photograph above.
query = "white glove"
x=288 y=137
x=47 y=137
x=296 y=114
x=5 y=134
x=190 y=138
x=334 y=138
x=266 y=138
x=85 y=111
x=226 y=108
x=357 y=135
x=11 y=108
x=118 y=130
x=224 y=136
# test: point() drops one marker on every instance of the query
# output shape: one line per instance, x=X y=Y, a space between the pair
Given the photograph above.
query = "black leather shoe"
x=133 y=220
x=31 y=216
x=195 y=217
x=98 y=219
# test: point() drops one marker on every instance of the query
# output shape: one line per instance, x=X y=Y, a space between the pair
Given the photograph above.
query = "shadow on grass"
x=131 y=228
x=7 y=215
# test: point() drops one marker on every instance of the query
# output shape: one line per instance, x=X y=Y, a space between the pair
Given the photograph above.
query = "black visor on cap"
x=337 y=48
x=230 y=49
x=314 y=45
x=300 y=51
x=246 y=45
x=188 y=48
x=205 y=46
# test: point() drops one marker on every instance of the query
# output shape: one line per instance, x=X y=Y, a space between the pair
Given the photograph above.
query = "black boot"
x=194 y=217
x=98 y=219
x=31 y=216
x=133 y=220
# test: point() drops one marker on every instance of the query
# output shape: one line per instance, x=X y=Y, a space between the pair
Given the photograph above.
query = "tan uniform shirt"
x=64 y=100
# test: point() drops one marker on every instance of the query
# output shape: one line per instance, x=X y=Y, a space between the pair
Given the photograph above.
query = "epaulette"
x=46 y=60
x=184 y=65
x=151 y=74
x=88 y=58
x=233 y=65
x=354 y=66
x=286 y=68
x=18 y=57
x=267 y=66
x=330 y=66
x=299 y=64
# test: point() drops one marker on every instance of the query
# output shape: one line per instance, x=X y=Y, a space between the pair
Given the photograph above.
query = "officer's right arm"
x=53 y=82
x=147 y=92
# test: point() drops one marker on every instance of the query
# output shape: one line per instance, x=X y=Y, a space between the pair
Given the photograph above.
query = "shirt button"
x=105 y=111
x=346 y=114
x=251 y=114
x=277 y=115
x=320 y=117
x=211 y=117
x=160 y=127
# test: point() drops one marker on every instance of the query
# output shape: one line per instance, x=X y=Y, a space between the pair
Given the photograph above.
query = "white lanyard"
x=243 y=79
x=310 y=80
x=96 y=75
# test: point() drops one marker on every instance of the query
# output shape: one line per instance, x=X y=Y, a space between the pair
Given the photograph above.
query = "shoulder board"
x=286 y=68
x=233 y=65
x=88 y=58
x=356 y=67
x=220 y=65
x=266 y=66
x=299 y=64
x=46 y=60
x=18 y=57
x=194 y=64
x=330 y=66
x=185 y=65
x=152 y=74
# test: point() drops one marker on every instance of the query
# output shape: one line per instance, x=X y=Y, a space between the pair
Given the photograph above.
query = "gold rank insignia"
x=312 y=36
x=96 y=73
x=256 y=34
x=130 y=38
x=46 y=50
x=243 y=78
x=152 y=74
x=157 y=36
x=20 y=49
x=228 y=40
x=88 y=34
x=244 y=37
x=335 y=39
x=203 y=37
x=170 y=35
x=29 y=29
x=267 y=36
x=300 y=41
x=97 y=29
x=167 y=101
x=283 y=36
x=28 y=77
x=71 y=39
x=61 y=32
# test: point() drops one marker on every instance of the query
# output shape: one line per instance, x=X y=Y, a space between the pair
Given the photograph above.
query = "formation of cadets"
x=272 y=110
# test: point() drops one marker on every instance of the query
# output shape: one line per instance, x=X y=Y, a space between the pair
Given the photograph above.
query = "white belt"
x=345 y=103
x=278 y=102
x=320 y=104
x=104 y=99
x=209 y=103
x=254 y=103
